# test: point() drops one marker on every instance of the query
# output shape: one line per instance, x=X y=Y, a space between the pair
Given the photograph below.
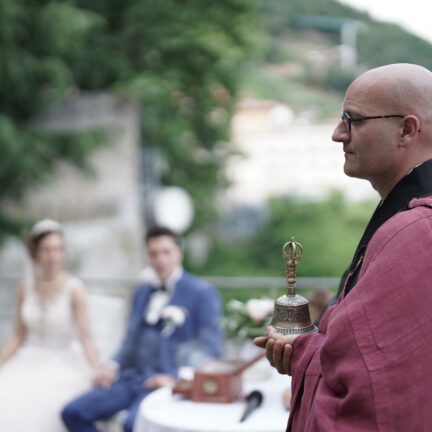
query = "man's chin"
x=348 y=171
x=352 y=172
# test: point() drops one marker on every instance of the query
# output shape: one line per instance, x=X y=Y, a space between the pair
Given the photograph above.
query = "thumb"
x=261 y=341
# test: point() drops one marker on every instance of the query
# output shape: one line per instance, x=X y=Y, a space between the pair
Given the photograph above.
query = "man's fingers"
x=104 y=381
x=278 y=350
x=260 y=341
x=149 y=385
x=269 y=351
x=103 y=384
x=286 y=360
x=97 y=380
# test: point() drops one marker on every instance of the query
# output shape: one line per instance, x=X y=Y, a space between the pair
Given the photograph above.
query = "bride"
x=42 y=365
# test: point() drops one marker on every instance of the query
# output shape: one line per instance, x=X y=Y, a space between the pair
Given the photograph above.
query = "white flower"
x=173 y=316
x=247 y=319
x=259 y=309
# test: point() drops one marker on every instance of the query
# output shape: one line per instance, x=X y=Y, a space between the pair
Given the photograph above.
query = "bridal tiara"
x=45 y=226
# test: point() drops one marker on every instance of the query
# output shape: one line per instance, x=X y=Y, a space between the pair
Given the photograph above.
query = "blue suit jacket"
x=146 y=351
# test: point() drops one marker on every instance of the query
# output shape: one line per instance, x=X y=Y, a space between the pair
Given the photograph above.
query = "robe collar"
x=417 y=184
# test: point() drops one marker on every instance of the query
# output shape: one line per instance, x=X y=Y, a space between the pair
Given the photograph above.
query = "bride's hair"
x=39 y=231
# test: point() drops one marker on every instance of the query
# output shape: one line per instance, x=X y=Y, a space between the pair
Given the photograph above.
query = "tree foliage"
x=384 y=43
x=179 y=60
x=34 y=72
x=329 y=231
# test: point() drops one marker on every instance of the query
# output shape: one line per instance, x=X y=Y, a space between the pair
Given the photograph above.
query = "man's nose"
x=340 y=134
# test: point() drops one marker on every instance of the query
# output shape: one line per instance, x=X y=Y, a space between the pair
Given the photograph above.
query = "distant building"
x=283 y=154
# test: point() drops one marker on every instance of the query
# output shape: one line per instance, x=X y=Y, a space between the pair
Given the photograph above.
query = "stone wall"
x=101 y=212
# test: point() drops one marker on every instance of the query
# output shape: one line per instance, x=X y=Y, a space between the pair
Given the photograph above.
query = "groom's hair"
x=159 y=231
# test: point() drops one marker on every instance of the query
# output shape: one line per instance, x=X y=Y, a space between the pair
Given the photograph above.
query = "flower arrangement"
x=172 y=316
x=248 y=319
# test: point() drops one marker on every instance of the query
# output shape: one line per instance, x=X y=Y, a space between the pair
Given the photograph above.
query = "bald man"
x=369 y=368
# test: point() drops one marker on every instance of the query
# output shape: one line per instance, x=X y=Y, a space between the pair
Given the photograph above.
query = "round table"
x=163 y=412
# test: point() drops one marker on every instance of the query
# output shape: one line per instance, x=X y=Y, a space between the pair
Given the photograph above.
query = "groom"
x=174 y=322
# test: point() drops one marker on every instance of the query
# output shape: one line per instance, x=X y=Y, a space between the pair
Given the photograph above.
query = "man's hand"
x=278 y=349
x=159 y=380
x=104 y=375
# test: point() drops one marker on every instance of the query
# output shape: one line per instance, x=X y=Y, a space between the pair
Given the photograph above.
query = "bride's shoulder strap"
x=74 y=283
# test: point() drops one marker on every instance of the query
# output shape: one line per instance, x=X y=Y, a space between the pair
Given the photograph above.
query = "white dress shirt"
x=160 y=298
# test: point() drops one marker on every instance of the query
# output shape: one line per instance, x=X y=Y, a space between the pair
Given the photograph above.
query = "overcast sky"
x=413 y=15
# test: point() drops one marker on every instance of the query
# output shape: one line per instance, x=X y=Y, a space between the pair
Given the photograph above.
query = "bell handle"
x=292 y=256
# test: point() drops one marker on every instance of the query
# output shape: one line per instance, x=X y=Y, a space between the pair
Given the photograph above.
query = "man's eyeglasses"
x=347 y=119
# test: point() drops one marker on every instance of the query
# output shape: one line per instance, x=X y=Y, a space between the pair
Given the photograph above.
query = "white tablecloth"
x=163 y=412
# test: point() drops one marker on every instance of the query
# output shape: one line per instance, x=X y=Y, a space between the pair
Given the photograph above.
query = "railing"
x=109 y=297
x=246 y=282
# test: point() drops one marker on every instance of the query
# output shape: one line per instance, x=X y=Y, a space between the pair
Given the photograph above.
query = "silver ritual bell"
x=291 y=311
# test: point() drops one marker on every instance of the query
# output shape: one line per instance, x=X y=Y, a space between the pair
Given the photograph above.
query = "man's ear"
x=410 y=128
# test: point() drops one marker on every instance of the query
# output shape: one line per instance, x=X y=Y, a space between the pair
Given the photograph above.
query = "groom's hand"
x=104 y=375
x=159 y=380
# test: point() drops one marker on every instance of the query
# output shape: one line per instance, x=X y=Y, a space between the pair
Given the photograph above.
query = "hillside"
x=299 y=61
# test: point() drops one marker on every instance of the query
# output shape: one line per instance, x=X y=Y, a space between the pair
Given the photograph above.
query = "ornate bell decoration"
x=291 y=311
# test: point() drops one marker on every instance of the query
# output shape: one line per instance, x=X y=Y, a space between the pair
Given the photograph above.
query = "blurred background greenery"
x=185 y=63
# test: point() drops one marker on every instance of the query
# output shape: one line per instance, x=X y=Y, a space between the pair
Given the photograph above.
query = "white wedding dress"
x=48 y=370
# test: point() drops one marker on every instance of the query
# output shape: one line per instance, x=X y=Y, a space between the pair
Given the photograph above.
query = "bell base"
x=301 y=330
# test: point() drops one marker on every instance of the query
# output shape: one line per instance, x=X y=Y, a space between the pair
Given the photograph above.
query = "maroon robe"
x=370 y=366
